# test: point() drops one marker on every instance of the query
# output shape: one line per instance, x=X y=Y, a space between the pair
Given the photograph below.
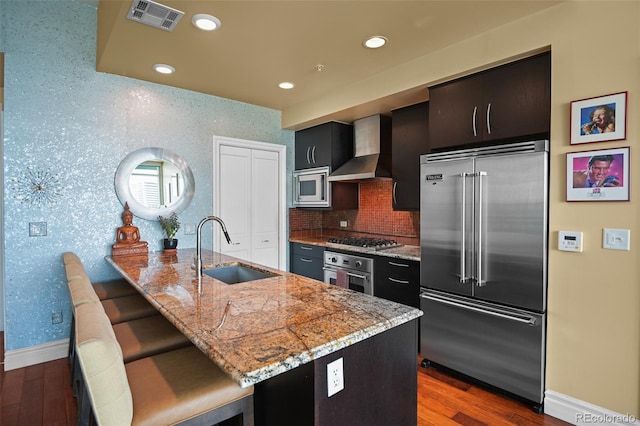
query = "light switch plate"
x=37 y=229
x=616 y=239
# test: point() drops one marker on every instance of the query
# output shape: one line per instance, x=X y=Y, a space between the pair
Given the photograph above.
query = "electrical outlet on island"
x=344 y=224
x=335 y=377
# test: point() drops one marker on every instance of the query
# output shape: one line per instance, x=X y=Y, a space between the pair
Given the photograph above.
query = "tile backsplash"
x=375 y=217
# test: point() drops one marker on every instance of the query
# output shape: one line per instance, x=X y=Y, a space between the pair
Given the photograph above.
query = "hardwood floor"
x=42 y=395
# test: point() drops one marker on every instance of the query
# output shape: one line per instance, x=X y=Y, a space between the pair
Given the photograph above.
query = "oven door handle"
x=351 y=274
x=362 y=277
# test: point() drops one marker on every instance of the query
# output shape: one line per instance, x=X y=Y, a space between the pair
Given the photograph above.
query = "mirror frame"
x=133 y=160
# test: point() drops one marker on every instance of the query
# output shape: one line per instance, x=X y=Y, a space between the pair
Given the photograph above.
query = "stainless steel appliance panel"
x=500 y=346
x=311 y=187
x=358 y=271
x=511 y=229
x=446 y=223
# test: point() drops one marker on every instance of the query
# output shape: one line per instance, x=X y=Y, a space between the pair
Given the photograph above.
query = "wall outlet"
x=344 y=224
x=335 y=377
x=56 y=317
x=189 y=228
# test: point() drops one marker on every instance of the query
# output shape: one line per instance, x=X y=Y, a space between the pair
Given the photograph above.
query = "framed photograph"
x=601 y=175
x=599 y=119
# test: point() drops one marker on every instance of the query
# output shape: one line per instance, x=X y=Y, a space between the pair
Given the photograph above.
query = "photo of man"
x=597 y=171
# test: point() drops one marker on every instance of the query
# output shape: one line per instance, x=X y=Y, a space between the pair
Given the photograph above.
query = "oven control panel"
x=347 y=261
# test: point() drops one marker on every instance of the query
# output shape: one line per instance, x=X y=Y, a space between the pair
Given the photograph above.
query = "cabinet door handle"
x=395 y=200
x=473 y=121
x=398 y=264
x=308 y=152
x=306 y=260
x=489 y=118
x=398 y=281
x=313 y=154
x=265 y=241
x=306 y=248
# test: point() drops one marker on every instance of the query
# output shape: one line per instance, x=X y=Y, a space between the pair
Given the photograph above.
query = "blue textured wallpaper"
x=70 y=126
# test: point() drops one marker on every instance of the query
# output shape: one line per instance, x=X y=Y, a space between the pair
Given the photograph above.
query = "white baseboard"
x=579 y=412
x=32 y=355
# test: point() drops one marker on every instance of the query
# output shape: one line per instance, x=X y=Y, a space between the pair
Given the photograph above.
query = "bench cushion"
x=178 y=385
x=113 y=288
x=148 y=336
x=127 y=308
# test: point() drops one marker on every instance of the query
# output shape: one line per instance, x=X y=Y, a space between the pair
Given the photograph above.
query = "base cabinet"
x=397 y=280
x=307 y=260
x=380 y=386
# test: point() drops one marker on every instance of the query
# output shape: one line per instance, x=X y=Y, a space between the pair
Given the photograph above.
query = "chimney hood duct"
x=372 y=151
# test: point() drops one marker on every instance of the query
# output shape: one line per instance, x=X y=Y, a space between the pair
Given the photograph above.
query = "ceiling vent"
x=154 y=14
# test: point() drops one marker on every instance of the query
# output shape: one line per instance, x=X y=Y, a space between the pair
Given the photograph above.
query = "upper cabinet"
x=506 y=102
x=410 y=139
x=328 y=144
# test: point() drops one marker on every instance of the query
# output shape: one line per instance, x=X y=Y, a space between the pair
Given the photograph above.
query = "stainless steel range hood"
x=372 y=151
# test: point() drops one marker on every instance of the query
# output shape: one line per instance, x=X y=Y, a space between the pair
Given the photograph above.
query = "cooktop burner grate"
x=377 y=243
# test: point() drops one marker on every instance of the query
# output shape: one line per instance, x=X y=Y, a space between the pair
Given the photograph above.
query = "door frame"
x=281 y=150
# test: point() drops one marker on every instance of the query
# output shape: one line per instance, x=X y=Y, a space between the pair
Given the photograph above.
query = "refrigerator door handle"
x=463 y=232
x=480 y=280
x=529 y=320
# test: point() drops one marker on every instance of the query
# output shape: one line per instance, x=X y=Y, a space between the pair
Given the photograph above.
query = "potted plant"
x=170 y=226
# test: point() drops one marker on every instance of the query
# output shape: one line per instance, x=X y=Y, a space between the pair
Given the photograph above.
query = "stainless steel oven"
x=311 y=187
x=349 y=271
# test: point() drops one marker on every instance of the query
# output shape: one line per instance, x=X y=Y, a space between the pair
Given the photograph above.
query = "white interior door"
x=235 y=200
x=265 y=194
x=249 y=195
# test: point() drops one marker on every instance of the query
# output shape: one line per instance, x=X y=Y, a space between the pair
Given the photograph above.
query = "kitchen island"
x=279 y=334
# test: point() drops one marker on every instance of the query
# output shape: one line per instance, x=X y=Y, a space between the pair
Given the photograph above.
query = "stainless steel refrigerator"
x=483 y=237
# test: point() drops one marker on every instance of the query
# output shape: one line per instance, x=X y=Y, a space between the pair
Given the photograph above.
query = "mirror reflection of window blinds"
x=145 y=184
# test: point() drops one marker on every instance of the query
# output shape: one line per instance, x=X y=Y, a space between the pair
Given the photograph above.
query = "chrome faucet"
x=199 y=240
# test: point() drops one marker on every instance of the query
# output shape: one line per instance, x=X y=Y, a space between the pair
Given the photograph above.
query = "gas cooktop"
x=365 y=242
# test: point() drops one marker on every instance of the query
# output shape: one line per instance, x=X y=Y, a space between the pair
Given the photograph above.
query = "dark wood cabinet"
x=410 y=139
x=503 y=103
x=397 y=280
x=328 y=144
x=307 y=260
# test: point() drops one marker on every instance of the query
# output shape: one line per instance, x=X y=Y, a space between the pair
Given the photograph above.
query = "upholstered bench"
x=118 y=309
x=182 y=386
x=138 y=338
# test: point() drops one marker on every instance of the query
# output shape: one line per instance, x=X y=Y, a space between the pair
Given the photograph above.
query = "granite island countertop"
x=271 y=325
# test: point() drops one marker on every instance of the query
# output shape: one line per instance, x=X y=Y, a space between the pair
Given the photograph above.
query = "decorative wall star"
x=37 y=187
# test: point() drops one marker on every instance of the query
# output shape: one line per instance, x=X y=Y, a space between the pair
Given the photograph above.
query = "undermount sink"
x=238 y=273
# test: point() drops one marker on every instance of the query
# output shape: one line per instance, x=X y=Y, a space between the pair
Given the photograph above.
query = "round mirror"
x=154 y=182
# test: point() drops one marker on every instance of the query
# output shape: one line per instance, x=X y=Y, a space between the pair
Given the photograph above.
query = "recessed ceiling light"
x=286 y=85
x=206 y=22
x=164 y=68
x=375 y=42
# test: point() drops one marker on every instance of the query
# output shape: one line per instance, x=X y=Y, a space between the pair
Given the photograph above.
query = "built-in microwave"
x=311 y=187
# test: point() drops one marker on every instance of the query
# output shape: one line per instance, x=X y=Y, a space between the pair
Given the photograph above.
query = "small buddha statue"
x=128 y=236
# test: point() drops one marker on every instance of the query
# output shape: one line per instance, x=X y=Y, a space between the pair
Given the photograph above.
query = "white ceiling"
x=262 y=43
